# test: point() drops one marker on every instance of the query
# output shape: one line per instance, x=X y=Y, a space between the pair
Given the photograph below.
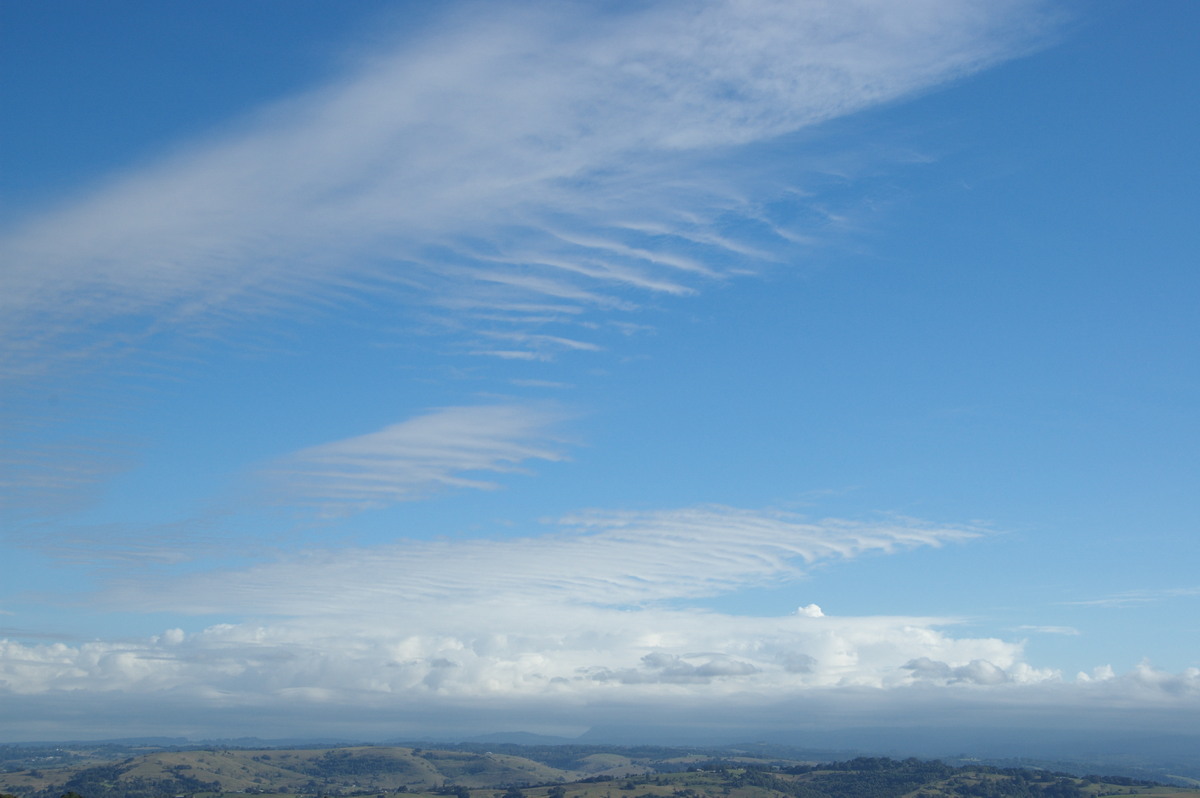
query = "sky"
x=388 y=369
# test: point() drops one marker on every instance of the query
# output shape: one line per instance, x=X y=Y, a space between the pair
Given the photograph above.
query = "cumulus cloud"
x=543 y=651
x=582 y=663
x=594 y=616
x=597 y=611
x=595 y=603
x=977 y=671
x=1099 y=674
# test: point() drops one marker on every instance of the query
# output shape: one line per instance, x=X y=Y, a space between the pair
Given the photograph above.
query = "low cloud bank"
x=587 y=625
x=235 y=680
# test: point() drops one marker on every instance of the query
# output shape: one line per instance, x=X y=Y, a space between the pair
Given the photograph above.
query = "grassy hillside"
x=400 y=772
x=304 y=771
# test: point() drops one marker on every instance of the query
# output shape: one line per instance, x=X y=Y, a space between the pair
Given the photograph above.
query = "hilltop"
x=544 y=772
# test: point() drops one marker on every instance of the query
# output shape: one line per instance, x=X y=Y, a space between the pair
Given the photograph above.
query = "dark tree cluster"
x=105 y=781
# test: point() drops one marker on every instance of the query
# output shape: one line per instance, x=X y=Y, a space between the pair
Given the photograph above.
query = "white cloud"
x=1099 y=674
x=1050 y=630
x=584 y=622
x=542 y=651
x=652 y=666
x=406 y=461
x=810 y=611
x=596 y=611
x=611 y=559
x=977 y=671
x=518 y=175
x=506 y=176
x=524 y=155
x=1130 y=598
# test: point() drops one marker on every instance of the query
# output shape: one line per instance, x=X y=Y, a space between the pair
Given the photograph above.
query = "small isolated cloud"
x=448 y=448
x=1070 y=631
x=1131 y=598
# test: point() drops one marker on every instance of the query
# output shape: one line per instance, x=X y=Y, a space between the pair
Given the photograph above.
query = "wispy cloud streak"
x=527 y=155
x=601 y=559
x=1131 y=598
x=411 y=459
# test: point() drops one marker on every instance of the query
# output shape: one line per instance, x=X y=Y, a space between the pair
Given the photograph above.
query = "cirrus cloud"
x=531 y=160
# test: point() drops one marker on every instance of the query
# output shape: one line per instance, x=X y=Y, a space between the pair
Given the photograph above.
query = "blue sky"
x=387 y=368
